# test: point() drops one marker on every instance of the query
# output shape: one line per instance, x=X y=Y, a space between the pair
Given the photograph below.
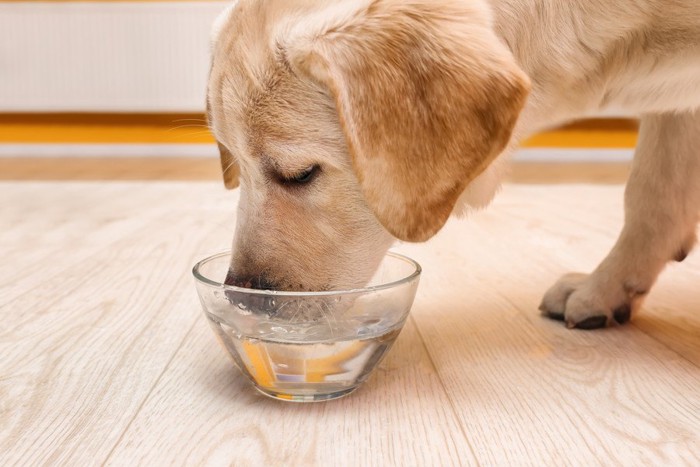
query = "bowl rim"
x=199 y=277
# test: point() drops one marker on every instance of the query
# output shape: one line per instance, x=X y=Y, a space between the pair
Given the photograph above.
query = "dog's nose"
x=259 y=282
x=253 y=302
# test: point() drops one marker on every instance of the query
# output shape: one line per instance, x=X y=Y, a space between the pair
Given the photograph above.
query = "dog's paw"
x=580 y=303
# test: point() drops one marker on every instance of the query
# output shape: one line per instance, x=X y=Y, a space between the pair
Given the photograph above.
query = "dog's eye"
x=303 y=177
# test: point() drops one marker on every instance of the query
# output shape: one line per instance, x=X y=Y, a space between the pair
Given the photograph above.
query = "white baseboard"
x=210 y=150
x=573 y=155
x=108 y=150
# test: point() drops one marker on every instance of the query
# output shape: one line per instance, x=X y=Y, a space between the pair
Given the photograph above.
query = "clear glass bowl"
x=308 y=346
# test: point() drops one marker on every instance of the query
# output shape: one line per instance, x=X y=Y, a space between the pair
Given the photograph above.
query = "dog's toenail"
x=554 y=316
x=594 y=322
x=622 y=314
x=681 y=255
x=551 y=314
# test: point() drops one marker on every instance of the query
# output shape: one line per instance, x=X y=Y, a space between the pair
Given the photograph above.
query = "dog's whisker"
x=179 y=127
x=330 y=324
x=328 y=316
x=229 y=167
x=196 y=120
x=283 y=307
x=197 y=133
x=296 y=313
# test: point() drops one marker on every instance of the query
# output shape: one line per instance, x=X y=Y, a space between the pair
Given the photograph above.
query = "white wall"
x=105 y=57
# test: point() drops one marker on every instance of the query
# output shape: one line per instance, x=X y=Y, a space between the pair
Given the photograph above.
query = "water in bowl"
x=308 y=363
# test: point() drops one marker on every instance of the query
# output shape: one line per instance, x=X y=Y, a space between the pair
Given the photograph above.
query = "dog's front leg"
x=662 y=201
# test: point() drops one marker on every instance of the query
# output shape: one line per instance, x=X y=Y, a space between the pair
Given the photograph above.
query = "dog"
x=349 y=124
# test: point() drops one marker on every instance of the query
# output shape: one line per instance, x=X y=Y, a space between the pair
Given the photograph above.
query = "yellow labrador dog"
x=352 y=123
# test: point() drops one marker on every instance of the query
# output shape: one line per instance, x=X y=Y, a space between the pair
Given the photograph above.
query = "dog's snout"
x=259 y=282
x=254 y=302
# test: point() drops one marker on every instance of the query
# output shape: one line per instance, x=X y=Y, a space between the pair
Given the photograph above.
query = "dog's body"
x=357 y=122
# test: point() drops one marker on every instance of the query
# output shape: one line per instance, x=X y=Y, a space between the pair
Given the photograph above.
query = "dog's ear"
x=229 y=167
x=427 y=96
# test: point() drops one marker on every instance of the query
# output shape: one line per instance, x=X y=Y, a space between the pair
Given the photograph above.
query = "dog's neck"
x=588 y=56
x=584 y=57
x=546 y=39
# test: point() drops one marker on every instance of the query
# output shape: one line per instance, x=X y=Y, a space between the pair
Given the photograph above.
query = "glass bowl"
x=308 y=346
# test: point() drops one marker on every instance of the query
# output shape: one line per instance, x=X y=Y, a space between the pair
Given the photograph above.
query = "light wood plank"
x=200 y=169
x=568 y=172
x=526 y=387
x=577 y=231
x=110 y=168
x=205 y=413
x=82 y=349
x=36 y=229
x=104 y=353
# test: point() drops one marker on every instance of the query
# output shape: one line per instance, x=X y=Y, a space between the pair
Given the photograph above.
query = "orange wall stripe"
x=585 y=139
x=104 y=128
x=191 y=128
x=101 y=1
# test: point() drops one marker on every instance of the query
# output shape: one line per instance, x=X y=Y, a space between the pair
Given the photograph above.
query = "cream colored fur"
x=411 y=107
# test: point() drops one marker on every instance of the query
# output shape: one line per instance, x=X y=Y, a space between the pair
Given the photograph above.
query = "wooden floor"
x=106 y=358
x=199 y=168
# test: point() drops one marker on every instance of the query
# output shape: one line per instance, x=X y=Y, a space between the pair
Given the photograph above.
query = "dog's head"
x=351 y=123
